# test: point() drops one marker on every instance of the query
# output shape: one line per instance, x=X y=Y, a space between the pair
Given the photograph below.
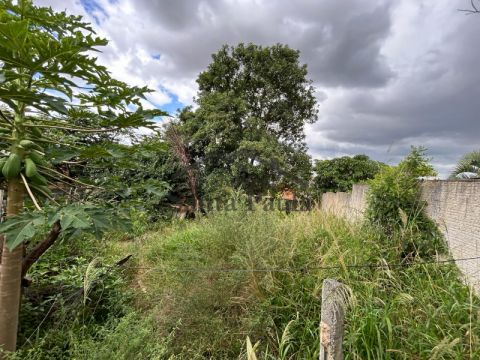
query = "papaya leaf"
x=59 y=155
x=18 y=229
x=72 y=217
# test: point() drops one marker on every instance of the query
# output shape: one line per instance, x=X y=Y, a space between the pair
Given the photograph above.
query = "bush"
x=75 y=296
x=395 y=206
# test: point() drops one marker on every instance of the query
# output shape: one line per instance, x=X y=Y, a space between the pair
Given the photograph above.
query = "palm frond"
x=469 y=163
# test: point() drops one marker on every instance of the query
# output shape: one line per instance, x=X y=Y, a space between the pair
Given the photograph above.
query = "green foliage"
x=395 y=205
x=76 y=298
x=468 y=166
x=251 y=75
x=409 y=311
x=248 y=128
x=132 y=338
x=52 y=89
x=144 y=175
x=73 y=219
x=339 y=174
x=187 y=312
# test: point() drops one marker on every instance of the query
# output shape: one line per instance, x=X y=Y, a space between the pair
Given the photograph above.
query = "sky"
x=388 y=74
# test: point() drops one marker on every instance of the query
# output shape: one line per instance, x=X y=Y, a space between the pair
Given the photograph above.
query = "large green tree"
x=339 y=174
x=49 y=82
x=248 y=129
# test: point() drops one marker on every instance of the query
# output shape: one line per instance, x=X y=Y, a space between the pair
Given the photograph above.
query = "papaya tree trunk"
x=11 y=275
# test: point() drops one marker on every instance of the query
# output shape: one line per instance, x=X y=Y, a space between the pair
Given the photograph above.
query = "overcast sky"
x=388 y=74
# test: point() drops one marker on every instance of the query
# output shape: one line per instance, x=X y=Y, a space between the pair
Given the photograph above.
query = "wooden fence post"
x=332 y=320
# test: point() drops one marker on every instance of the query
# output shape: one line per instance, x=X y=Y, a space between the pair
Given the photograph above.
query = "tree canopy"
x=339 y=174
x=248 y=129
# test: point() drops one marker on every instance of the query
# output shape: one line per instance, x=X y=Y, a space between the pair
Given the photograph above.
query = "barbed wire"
x=305 y=268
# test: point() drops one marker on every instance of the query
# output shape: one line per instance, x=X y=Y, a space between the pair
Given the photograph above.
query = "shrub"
x=407 y=311
x=395 y=206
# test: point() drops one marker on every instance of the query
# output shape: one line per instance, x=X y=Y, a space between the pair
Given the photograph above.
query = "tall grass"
x=193 y=294
x=413 y=312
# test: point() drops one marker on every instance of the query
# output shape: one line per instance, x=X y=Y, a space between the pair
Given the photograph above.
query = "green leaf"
x=18 y=229
x=59 y=155
x=155 y=187
x=72 y=217
x=13 y=34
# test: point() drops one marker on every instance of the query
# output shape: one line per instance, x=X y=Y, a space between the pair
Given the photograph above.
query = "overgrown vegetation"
x=158 y=288
x=253 y=104
x=195 y=296
x=396 y=208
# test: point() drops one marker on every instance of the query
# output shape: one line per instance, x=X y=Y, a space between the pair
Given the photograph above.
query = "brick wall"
x=454 y=205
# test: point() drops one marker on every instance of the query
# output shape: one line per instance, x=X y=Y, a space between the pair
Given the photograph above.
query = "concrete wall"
x=453 y=205
x=351 y=205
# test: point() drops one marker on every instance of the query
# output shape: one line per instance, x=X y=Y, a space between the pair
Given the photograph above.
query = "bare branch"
x=474 y=10
x=181 y=152
x=40 y=249
x=30 y=193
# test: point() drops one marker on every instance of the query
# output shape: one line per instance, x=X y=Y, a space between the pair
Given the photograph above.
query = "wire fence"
x=121 y=266
x=308 y=268
x=67 y=262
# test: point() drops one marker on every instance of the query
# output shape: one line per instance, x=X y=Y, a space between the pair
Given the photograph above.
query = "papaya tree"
x=49 y=84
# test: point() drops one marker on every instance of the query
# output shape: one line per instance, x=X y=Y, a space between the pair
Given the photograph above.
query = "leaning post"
x=332 y=320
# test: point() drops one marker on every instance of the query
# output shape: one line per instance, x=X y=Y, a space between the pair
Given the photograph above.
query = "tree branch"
x=5 y=117
x=30 y=193
x=74 y=129
x=40 y=248
x=181 y=152
x=473 y=10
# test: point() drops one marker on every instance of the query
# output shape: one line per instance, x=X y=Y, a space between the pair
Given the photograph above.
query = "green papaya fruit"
x=39 y=180
x=29 y=144
x=36 y=132
x=2 y=163
x=30 y=168
x=37 y=158
x=12 y=166
x=26 y=144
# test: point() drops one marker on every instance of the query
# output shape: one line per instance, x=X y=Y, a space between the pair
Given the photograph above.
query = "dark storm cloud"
x=432 y=102
x=437 y=99
x=350 y=55
x=341 y=44
x=389 y=74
